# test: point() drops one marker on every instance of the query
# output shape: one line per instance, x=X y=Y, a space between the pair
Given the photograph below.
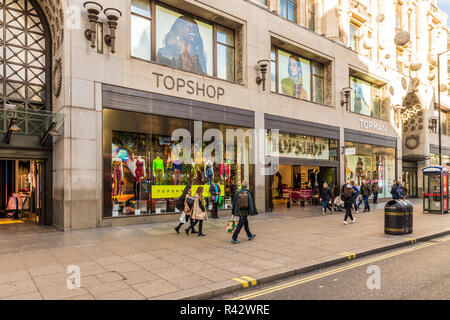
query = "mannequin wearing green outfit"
x=158 y=169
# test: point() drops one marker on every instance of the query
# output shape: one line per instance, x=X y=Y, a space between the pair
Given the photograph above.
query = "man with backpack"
x=243 y=206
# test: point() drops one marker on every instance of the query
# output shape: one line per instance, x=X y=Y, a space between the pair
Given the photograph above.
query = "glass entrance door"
x=432 y=197
x=410 y=182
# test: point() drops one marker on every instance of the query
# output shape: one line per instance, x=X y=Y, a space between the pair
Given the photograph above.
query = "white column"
x=331 y=19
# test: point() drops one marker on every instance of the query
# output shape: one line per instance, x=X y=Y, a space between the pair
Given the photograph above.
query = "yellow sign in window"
x=163 y=192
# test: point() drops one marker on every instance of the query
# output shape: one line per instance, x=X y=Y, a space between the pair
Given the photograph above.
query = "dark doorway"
x=23 y=192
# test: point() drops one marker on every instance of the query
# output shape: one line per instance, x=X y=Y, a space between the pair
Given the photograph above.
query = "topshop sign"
x=188 y=86
x=372 y=125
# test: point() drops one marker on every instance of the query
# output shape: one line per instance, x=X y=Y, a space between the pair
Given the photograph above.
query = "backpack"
x=398 y=192
x=243 y=200
x=180 y=203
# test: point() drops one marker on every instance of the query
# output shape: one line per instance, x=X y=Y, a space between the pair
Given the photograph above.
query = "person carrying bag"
x=243 y=206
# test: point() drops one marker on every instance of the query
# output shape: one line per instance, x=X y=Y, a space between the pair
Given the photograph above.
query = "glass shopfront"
x=370 y=163
x=435 y=160
x=145 y=170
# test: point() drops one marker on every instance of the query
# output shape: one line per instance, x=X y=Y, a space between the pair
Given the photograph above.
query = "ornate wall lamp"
x=263 y=69
x=113 y=16
x=93 y=9
x=432 y=124
x=346 y=92
x=13 y=127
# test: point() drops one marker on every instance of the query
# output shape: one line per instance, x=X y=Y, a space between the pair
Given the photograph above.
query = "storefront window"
x=149 y=170
x=370 y=163
x=297 y=77
x=181 y=41
x=366 y=99
x=435 y=160
x=303 y=147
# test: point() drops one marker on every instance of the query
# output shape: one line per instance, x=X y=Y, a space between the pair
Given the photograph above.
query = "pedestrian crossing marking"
x=349 y=255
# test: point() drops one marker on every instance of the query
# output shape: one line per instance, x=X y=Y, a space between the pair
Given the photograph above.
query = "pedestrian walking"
x=183 y=206
x=396 y=191
x=348 y=196
x=375 y=190
x=243 y=207
x=198 y=214
x=366 y=191
x=356 y=193
x=214 y=189
x=326 y=196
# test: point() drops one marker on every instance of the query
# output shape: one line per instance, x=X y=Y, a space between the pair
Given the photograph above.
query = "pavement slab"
x=152 y=261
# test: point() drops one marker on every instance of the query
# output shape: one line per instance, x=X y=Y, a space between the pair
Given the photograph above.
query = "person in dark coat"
x=243 y=213
x=348 y=197
x=214 y=189
x=366 y=191
x=326 y=197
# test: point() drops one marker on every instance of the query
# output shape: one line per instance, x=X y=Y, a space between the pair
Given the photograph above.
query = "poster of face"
x=360 y=96
x=183 y=42
x=294 y=75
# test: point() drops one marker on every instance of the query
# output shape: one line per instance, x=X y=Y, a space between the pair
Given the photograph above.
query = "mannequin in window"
x=139 y=172
x=117 y=177
x=224 y=171
x=209 y=172
x=158 y=169
x=177 y=170
x=199 y=177
x=358 y=170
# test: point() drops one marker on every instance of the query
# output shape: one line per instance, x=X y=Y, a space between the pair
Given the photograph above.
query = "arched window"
x=25 y=49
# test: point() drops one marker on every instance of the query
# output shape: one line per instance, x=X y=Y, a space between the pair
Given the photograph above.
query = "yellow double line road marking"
x=334 y=271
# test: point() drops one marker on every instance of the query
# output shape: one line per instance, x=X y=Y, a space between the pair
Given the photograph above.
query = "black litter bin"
x=398 y=217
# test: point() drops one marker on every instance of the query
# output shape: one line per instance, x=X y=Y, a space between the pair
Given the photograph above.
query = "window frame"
x=356 y=35
x=153 y=49
x=373 y=87
x=311 y=14
x=289 y=2
x=312 y=75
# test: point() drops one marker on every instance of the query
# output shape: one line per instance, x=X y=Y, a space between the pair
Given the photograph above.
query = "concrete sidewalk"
x=153 y=262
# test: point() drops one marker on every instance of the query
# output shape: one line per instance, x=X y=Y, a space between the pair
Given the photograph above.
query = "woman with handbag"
x=182 y=205
x=198 y=212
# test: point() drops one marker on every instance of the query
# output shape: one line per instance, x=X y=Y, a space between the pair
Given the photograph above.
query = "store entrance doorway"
x=296 y=178
x=22 y=192
x=410 y=182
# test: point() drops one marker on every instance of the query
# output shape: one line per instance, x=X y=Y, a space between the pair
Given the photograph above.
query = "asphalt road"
x=420 y=271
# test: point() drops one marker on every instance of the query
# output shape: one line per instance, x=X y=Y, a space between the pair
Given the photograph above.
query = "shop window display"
x=371 y=163
x=149 y=171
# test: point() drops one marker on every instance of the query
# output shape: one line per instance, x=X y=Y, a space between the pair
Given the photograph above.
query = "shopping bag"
x=231 y=225
x=183 y=217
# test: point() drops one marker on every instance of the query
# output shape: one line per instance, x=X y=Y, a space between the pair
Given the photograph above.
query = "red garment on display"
x=139 y=171
x=224 y=170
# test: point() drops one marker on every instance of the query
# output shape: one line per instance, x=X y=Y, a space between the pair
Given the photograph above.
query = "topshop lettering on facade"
x=372 y=125
x=189 y=86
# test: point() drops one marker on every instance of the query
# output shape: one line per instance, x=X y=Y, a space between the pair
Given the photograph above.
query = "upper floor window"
x=288 y=10
x=177 y=39
x=398 y=16
x=296 y=76
x=310 y=12
x=366 y=99
x=354 y=37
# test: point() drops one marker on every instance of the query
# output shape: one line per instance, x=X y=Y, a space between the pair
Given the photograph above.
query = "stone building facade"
x=198 y=65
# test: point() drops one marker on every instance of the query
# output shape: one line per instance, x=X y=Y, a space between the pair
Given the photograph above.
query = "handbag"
x=183 y=217
x=231 y=225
